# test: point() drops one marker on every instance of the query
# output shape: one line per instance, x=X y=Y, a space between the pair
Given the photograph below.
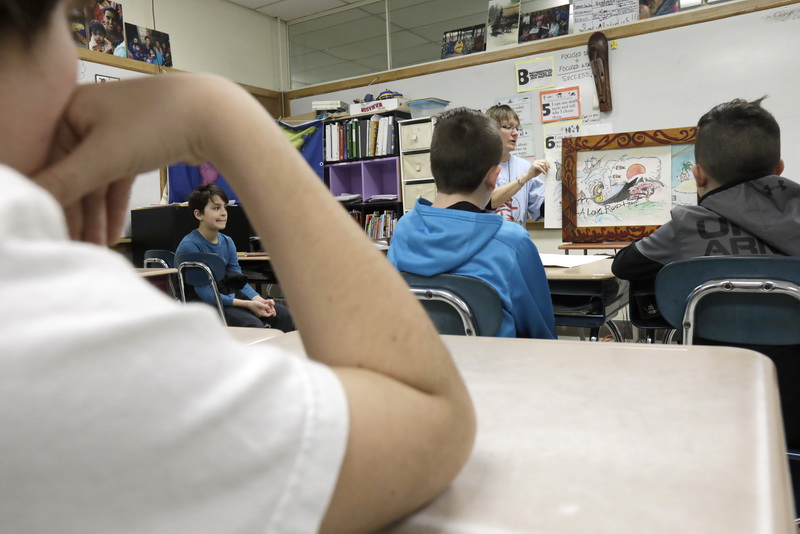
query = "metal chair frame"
x=155 y=257
x=733 y=285
x=454 y=301
x=471 y=303
x=192 y=264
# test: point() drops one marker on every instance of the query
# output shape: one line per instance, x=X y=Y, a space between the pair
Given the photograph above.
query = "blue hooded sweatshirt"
x=429 y=241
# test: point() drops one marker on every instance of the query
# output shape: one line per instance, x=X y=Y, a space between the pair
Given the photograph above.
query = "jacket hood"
x=436 y=247
x=768 y=208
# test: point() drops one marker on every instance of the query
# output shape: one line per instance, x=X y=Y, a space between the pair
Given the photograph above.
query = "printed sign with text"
x=560 y=104
x=554 y=133
x=535 y=74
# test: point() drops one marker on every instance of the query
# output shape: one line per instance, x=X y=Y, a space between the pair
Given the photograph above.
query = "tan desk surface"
x=252 y=256
x=155 y=271
x=593 y=246
x=596 y=270
x=251 y=336
x=613 y=439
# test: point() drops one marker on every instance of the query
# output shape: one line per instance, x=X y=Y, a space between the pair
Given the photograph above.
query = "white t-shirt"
x=124 y=411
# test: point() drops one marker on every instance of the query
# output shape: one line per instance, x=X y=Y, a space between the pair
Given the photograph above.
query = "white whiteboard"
x=664 y=79
x=146 y=188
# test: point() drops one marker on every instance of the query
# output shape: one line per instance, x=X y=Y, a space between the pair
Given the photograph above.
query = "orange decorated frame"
x=570 y=231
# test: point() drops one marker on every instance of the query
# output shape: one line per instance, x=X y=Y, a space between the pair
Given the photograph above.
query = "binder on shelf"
x=363 y=128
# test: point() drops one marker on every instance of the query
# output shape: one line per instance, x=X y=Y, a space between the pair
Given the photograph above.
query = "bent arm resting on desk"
x=411 y=420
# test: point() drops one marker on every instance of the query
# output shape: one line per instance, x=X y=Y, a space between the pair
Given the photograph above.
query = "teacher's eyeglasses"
x=510 y=128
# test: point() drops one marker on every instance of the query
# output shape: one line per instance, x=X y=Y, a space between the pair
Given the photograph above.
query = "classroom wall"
x=662 y=79
x=216 y=36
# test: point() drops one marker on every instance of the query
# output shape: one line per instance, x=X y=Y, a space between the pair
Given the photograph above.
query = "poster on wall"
x=464 y=41
x=543 y=24
x=503 y=23
x=99 y=27
x=148 y=45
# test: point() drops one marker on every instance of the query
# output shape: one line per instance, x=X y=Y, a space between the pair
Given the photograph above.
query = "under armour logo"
x=769 y=189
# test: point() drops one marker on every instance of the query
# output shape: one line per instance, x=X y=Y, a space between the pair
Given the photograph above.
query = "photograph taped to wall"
x=148 y=45
x=464 y=41
x=538 y=25
x=104 y=28
x=618 y=187
x=503 y=23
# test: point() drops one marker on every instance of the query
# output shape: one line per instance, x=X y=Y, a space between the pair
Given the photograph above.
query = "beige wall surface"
x=215 y=36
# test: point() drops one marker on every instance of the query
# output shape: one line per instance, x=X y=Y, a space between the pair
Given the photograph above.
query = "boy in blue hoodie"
x=453 y=235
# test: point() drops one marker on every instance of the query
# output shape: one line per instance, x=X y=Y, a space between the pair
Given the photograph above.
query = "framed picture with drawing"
x=619 y=187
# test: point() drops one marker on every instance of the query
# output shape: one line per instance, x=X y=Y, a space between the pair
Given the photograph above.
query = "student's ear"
x=197 y=214
x=779 y=168
x=491 y=177
x=700 y=176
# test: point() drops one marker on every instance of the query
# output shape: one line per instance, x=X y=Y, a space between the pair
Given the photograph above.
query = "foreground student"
x=453 y=235
x=243 y=306
x=123 y=411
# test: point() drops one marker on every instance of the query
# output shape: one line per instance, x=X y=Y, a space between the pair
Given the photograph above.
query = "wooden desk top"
x=596 y=270
x=613 y=438
x=593 y=246
x=252 y=256
x=251 y=336
x=155 y=271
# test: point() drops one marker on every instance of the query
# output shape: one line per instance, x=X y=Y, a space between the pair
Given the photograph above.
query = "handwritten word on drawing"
x=561 y=104
x=534 y=74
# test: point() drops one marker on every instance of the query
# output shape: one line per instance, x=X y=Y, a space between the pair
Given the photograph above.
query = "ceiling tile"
x=329 y=21
x=254 y=4
x=294 y=9
x=332 y=72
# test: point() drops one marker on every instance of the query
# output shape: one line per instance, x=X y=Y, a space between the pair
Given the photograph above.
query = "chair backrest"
x=161 y=258
x=733 y=299
x=201 y=269
x=458 y=304
x=165 y=259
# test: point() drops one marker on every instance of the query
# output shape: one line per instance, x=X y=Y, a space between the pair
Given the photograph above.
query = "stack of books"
x=360 y=138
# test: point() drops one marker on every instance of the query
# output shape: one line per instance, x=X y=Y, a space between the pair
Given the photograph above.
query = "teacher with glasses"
x=519 y=195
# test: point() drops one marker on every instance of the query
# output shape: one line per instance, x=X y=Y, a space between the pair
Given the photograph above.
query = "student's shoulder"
x=514 y=236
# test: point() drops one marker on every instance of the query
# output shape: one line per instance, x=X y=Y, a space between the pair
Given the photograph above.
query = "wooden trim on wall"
x=667 y=22
x=270 y=99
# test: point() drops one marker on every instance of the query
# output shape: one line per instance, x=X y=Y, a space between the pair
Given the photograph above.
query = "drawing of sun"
x=635 y=170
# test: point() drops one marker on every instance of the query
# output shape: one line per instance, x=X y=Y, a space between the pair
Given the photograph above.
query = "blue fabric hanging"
x=307 y=138
x=183 y=179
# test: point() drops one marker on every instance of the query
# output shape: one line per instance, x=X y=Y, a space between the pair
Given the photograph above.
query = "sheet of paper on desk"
x=564 y=260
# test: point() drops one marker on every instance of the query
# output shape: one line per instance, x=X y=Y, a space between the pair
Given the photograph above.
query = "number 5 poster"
x=560 y=104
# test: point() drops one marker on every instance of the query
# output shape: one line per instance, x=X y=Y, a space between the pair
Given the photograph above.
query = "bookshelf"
x=415 y=160
x=362 y=168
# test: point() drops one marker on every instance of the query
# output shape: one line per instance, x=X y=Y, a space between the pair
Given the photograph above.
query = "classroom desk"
x=566 y=247
x=160 y=278
x=587 y=296
x=150 y=272
x=613 y=439
x=251 y=336
x=257 y=266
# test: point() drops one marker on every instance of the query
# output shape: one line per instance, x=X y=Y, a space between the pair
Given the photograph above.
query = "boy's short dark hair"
x=502 y=113
x=202 y=195
x=465 y=145
x=95 y=26
x=738 y=141
x=23 y=18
